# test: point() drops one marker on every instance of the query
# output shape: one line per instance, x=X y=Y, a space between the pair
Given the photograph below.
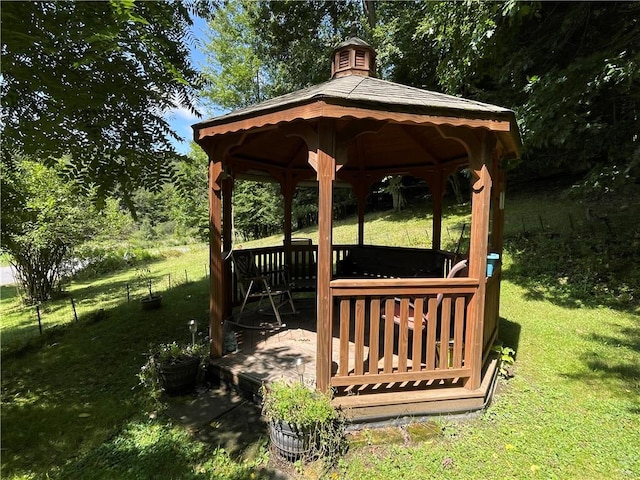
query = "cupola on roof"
x=353 y=57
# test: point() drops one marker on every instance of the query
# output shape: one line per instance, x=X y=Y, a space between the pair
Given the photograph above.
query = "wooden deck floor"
x=264 y=356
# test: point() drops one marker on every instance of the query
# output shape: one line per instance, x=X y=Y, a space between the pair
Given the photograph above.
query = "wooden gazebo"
x=356 y=129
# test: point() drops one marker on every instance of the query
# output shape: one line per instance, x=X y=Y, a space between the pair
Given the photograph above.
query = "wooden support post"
x=480 y=162
x=497 y=207
x=227 y=241
x=437 y=195
x=216 y=307
x=288 y=189
x=326 y=173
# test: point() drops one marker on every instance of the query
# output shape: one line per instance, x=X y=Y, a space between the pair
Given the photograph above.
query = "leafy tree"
x=92 y=80
x=258 y=209
x=190 y=207
x=43 y=220
x=258 y=50
x=234 y=70
x=571 y=71
x=180 y=209
x=295 y=39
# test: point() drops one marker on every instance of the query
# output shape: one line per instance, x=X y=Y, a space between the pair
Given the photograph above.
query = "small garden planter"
x=180 y=376
x=151 y=303
x=172 y=368
x=290 y=442
x=303 y=425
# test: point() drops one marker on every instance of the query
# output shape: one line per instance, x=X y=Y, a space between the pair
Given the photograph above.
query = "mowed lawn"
x=572 y=411
x=71 y=408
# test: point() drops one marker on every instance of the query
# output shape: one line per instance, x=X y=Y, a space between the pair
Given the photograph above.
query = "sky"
x=181 y=119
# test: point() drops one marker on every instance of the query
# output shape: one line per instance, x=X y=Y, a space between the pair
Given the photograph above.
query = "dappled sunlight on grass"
x=564 y=415
x=72 y=407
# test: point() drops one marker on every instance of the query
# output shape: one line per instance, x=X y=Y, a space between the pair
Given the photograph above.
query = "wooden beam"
x=480 y=163
x=217 y=151
x=326 y=175
x=227 y=240
x=288 y=188
x=320 y=109
x=216 y=267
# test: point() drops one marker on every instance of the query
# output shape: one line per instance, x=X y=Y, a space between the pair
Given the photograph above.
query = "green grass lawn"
x=174 y=266
x=71 y=407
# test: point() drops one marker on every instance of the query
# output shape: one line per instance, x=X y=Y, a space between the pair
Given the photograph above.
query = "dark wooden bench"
x=301 y=265
x=391 y=262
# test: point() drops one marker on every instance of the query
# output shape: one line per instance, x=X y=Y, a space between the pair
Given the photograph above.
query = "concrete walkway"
x=221 y=417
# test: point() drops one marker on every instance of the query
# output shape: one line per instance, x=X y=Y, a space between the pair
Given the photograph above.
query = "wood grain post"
x=325 y=173
x=480 y=162
x=227 y=240
x=288 y=189
x=216 y=300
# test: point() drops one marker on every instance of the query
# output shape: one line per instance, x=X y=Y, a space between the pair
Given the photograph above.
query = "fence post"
x=169 y=281
x=73 y=306
x=186 y=278
x=128 y=293
x=39 y=319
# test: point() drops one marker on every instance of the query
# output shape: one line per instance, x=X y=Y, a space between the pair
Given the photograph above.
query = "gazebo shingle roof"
x=374 y=93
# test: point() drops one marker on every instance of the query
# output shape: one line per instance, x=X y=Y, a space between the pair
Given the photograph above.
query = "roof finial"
x=354 y=29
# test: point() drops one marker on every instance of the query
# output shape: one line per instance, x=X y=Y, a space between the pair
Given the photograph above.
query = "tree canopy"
x=570 y=70
x=91 y=81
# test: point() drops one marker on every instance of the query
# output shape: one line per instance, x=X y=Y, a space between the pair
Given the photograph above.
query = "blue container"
x=493 y=259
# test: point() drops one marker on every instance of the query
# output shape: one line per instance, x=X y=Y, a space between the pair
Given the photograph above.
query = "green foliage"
x=295 y=39
x=296 y=404
x=43 y=221
x=179 y=209
x=93 y=80
x=235 y=71
x=258 y=50
x=102 y=258
x=257 y=208
x=506 y=357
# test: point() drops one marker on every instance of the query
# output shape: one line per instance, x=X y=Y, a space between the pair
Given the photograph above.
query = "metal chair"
x=253 y=283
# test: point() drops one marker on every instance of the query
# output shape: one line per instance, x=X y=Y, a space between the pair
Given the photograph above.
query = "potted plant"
x=173 y=368
x=152 y=301
x=302 y=423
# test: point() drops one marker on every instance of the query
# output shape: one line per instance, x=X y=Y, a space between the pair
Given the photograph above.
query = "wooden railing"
x=491 y=313
x=375 y=347
x=372 y=347
x=299 y=262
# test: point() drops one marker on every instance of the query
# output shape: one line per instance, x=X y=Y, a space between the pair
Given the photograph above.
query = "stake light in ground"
x=193 y=328
x=300 y=366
